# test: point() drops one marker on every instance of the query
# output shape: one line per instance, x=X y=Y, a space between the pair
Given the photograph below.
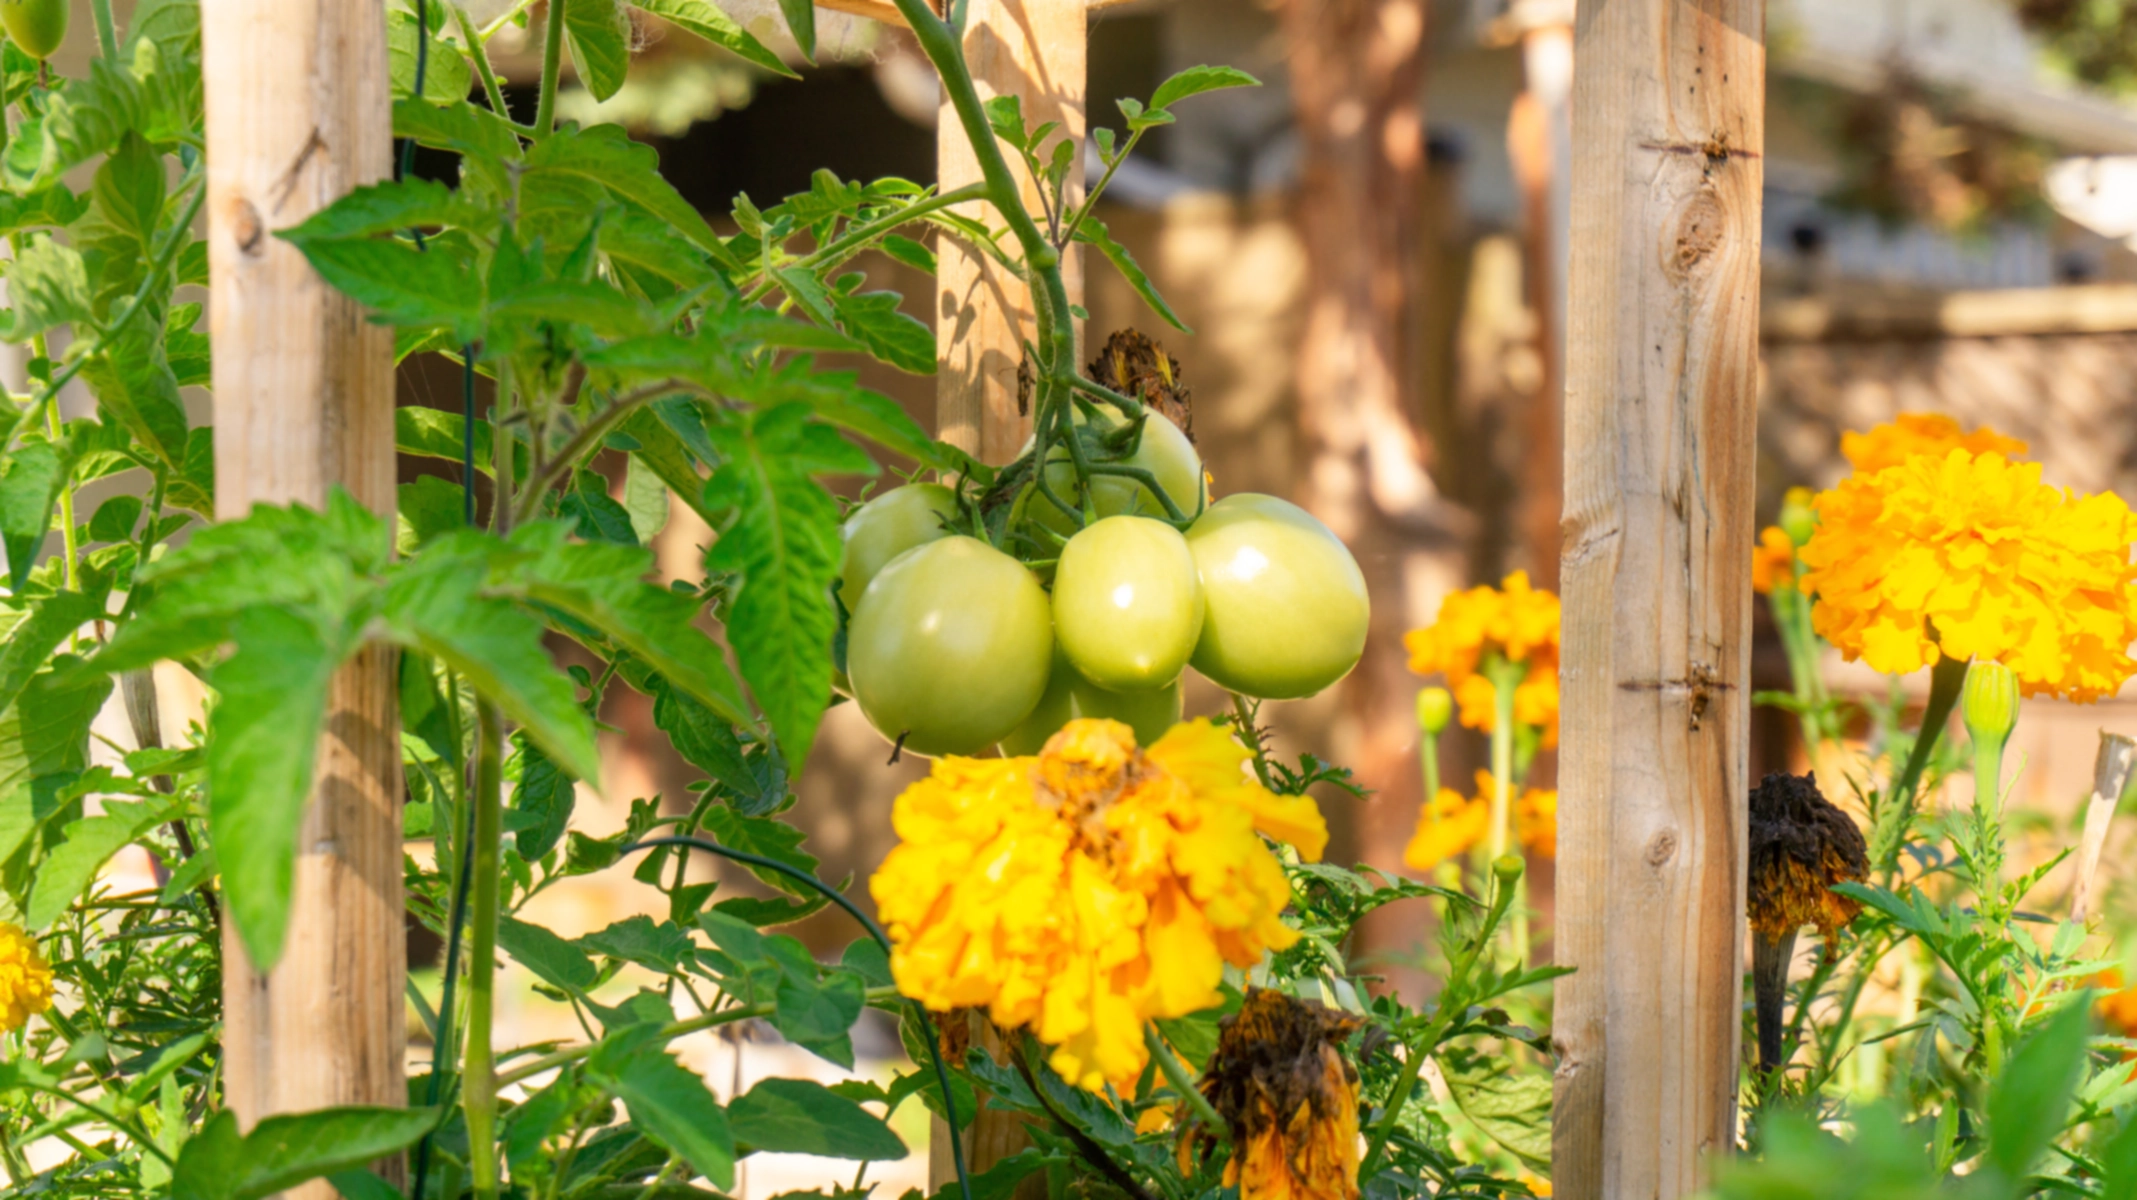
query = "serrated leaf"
x=87 y=844
x=800 y=1116
x=554 y=960
x=47 y=285
x=83 y=119
x=708 y=742
x=400 y=284
x=129 y=188
x=766 y=838
x=219 y=1163
x=909 y=252
x=658 y=946
x=30 y=476
x=645 y=499
x=631 y=170
x=708 y=21
x=389 y=206
x=1005 y=116
x=598 y=33
x=30 y=641
x=50 y=207
x=1093 y=232
x=595 y=514
x=262 y=736
x=428 y=508
x=1512 y=1106
x=135 y=387
x=785 y=545
x=667 y=1102
x=446 y=75
x=546 y=796
x=873 y=319
x=1196 y=80
x=462 y=128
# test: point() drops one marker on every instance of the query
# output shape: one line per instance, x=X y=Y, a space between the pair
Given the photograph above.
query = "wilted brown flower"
x=1280 y=1081
x=1133 y=365
x=1800 y=847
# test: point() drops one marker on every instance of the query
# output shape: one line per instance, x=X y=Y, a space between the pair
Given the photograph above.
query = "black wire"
x=927 y=1027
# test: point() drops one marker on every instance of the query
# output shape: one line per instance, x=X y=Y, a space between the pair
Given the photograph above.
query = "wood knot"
x=246 y=228
x=1701 y=228
x=1662 y=849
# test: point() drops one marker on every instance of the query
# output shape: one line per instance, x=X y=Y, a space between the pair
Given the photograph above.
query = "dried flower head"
x=1514 y=622
x=1087 y=890
x=1912 y=434
x=25 y=979
x=1971 y=556
x=1134 y=365
x=1280 y=1081
x=1801 y=845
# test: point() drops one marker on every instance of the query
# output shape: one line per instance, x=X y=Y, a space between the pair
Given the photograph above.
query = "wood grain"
x=1662 y=355
x=298 y=113
x=1035 y=50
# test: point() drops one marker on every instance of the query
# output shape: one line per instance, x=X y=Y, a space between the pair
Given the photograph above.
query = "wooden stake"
x=298 y=113
x=1662 y=357
x=1034 y=50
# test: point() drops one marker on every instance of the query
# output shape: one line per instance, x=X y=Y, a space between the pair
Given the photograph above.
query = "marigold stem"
x=479 y=1073
x=1176 y=1075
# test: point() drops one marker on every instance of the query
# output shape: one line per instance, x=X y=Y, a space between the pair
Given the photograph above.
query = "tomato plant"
x=1287 y=604
x=1127 y=603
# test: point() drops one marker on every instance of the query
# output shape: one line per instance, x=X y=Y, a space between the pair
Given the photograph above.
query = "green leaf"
x=553 y=960
x=1512 y=1106
x=814 y=1013
x=598 y=33
x=446 y=75
x=708 y=21
x=262 y=735
x=910 y=252
x=630 y=170
x=30 y=477
x=388 y=207
x=428 y=508
x=135 y=387
x=85 y=118
x=357 y=1183
x=115 y=519
x=662 y=453
x=46 y=208
x=667 y=1102
x=46 y=730
x=595 y=514
x=660 y=947
x=785 y=544
x=436 y=605
x=1196 y=80
x=873 y=319
x=1004 y=1179
x=799 y=1116
x=603 y=586
x=2028 y=1104
x=129 y=189
x=47 y=285
x=768 y=838
x=645 y=499
x=546 y=796
x=87 y=844
x=2118 y=1163
x=801 y=22
x=1093 y=232
x=1005 y=116
x=486 y=139
x=708 y=742
x=219 y=1163
x=402 y=285
x=50 y=621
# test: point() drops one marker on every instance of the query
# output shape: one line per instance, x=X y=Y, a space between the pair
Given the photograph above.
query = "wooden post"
x=1034 y=50
x=298 y=113
x=1662 y=357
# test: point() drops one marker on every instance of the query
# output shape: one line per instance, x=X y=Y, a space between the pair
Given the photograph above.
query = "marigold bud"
x=1435 y=708
x=1508 y=868
x=1798 y=519
x=1990 y=703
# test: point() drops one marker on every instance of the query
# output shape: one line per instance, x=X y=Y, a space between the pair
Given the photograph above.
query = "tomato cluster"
x=954 y=646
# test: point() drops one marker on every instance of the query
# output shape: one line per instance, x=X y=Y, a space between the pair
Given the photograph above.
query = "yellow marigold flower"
x=1972 y=556
x=1096 y=886
x=1515 y=621
x=1447 y=827
x=1912 y=434
x=1536 y=822
x=1280 y=1081
x=1773 y=561
x=25 y=979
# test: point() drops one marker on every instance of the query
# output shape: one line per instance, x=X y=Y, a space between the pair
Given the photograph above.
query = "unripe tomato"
x=1069 y=695
x=1127 y=603
x=1286 y=602
x=951 y=647
x=37 y=27
x=886 y=527
x=1164 y=451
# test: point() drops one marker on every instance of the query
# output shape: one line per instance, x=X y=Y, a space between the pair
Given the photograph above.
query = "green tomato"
x=37 y=27
x=1287 y=604
x=1163 y=451
x=950 y=647
x=1127 y=603
x=1069 y=696
x=886 y=527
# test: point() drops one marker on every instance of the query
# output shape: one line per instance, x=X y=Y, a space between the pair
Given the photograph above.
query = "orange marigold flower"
x=2117 y=1009
x=1536 y=822
x=1085 y=891
x=1972 y=556
x=1911 y=434
x=1773 y=561
x=1515 y=621
x=25 y=979
x=1450 y=826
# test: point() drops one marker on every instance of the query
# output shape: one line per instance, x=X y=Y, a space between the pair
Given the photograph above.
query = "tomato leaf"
x=70 y=867
x=219 y=1163
x=30 y=476
x=873 y=319
x=666 y=1101
x=546 y=795
x=801 y=22
x=46 y=286
x=1196 y=80
x=1093 y=232
x=800 y=1116
x=708 y=21
x=631 y=170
